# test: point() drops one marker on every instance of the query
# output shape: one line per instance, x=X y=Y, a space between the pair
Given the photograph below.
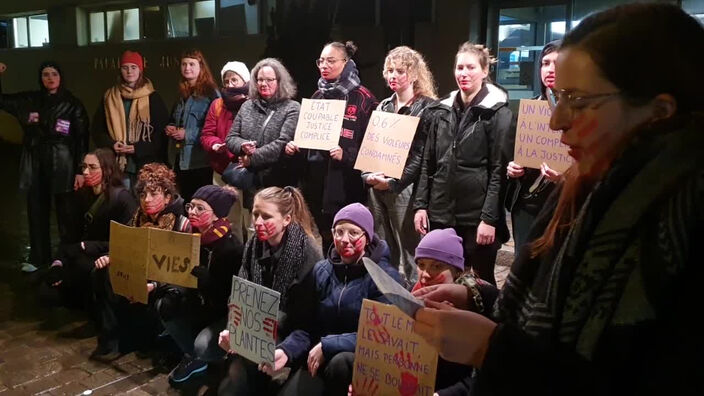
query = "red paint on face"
x=265 y=230
x=349 y=249
x=92 y=179
x=155 y=206
x=201 y=221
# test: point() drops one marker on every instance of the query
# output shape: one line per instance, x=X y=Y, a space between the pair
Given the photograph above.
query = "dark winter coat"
x=463 y=176
x=223 y=259
x=271 y=165
x=342 y=183
x=339 y=291
x=45 y=149
x=144 y=152
x=411 y=170
x=119 y=207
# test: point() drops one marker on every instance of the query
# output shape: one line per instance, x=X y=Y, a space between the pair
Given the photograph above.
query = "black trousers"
x=482 y=258
x=39 y=199
x=189 y=181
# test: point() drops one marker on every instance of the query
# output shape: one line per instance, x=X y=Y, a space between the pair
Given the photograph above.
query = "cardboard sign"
x=390 y=359
x=386 y=143
x=535 y=141
x=141 y=254
x=253 y=320
x=129 y=247
x=319 y=123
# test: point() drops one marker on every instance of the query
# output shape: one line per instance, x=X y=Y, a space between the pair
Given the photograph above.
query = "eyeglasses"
x=90 y=167
x=576 y=102
x=196 y=209
x=266 y=81
x=353 y=235
x=328 y=61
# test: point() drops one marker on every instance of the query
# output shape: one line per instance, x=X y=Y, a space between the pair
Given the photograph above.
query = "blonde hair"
x=481 y=52
x=415 y=65
x=289 y=201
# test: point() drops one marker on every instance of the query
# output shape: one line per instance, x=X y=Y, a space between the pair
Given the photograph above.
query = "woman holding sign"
x=464 y=165
x=281 y=257
x=341 y=283
x=407 y=74
x=262 y=127
x=529 y=188
x=55 y=140
x=331 y=181
x=602 y=302
x=159 y=207
x=185 y=153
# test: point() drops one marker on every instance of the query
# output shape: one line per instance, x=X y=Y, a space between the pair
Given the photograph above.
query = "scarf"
x=346 y=83
x=219 y=229
x=291 y=259
x=626 y=243
x=165 y=221
x=139 y=128
x=234 y=97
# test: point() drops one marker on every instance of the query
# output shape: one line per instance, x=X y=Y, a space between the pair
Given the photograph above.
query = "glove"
x=200 y=272
x=55 y=274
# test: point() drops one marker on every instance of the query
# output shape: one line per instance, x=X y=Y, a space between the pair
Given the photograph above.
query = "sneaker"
x=106 y=352
x=187 y=368
x=28 y=267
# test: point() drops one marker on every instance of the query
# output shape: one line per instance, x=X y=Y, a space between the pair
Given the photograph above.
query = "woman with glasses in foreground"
x=262 y=127
x=603 y=301
x=331 y=181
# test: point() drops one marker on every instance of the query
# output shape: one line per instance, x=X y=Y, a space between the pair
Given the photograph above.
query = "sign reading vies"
x=535 y=141
x=319 y=123
x=390 y=359
x=138 y=254
x=253 y=320
x=386 y=143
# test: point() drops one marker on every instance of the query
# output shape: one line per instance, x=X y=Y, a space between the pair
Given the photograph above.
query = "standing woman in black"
x=464 y=165
x=529 y=188
x=55 y=140
x=330 y=181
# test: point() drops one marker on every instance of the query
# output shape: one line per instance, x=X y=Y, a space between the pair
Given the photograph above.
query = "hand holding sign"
x=319 y=124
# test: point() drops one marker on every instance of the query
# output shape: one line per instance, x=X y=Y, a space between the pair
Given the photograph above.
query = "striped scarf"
x=219 y=229
x=634 y=223
x=346 y=83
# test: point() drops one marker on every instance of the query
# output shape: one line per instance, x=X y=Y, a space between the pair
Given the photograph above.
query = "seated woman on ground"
x=341 y=283
x=193 y=318
x=280 y=256
x=159 y=207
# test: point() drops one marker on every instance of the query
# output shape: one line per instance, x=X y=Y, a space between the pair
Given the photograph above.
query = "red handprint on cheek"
x=409 y=384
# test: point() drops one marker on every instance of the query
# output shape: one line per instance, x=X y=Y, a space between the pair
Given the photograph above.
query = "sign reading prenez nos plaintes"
x=319 y=124
x=386 y=143
x=253 y=320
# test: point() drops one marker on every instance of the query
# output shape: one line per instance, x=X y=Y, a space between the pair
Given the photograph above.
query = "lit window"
x=97 y=27
x=185 y=21
x=204 y=18
x=114 y=25
x=131 y=24
x=178 y=20
x=30 y=31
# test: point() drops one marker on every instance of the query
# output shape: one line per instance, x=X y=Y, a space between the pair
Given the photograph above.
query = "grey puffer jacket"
x=271 y=126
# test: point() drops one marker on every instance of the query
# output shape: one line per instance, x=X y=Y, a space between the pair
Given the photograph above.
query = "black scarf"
x=291 y=257
x=346 y=83
x=234 y=97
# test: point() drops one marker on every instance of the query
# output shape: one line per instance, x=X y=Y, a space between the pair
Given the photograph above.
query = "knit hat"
x=358 y=214
x=218 y=198
x=132 y=57
x=237 y=67
x=442 y=245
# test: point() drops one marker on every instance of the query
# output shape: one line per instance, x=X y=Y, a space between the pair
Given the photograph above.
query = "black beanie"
x=218 y=198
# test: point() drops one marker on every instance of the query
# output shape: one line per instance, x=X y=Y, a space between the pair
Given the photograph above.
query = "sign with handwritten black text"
x=253 y=320
x=319 y=123
x=386 y=143
x=535 y=141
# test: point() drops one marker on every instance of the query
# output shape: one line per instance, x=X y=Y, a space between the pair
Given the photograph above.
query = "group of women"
x=598 y=300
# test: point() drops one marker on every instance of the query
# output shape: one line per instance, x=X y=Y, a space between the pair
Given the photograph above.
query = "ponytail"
x=289 y=201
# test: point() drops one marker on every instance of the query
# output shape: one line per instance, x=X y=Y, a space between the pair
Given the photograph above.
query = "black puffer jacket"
x=57 y=142
x=463 y=175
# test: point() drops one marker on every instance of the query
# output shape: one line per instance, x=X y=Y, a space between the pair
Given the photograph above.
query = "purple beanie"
x=218 y=198
x=358 y=214
x=442 y=245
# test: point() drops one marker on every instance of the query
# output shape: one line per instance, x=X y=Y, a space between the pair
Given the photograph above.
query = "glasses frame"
x=328 y=61
x=350 y=238
x=196 y=209
x=266 y=81
x=575 y=102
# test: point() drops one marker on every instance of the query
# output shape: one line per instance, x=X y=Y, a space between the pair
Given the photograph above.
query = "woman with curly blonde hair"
x=407 y=74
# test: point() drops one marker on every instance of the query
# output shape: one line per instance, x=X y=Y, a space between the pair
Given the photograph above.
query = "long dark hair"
x=548 y=49
x=112 y=176
x=618 y=40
